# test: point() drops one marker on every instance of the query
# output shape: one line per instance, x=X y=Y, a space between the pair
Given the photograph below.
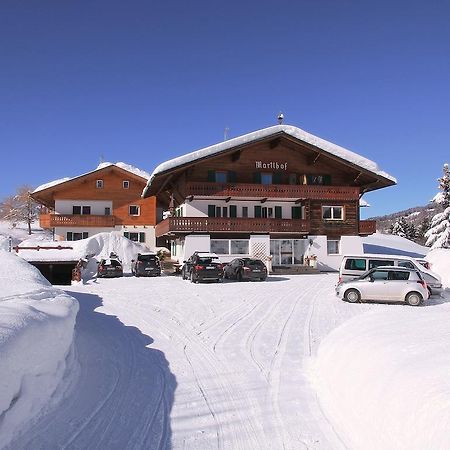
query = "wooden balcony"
x=69 y=220
x=367 y=227
x=185 y=225
x=204 y=189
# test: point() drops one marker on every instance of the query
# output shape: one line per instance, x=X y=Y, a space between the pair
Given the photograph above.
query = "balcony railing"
x=367 y=227
x=230 y=224
x=74 y=220
x=208 y=189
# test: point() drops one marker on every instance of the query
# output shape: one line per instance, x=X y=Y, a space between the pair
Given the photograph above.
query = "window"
x=333 y=212
x=258 y=212
x=293 y=179
x=407 y=264
x=134 y=210
x=76 y=209
x=318 y=179
x=266 y=178
x=224 y=211
x=220 y=246
x=135 y=237
x=398 y=275
x=218 y=211
x=380 y=262
x=233 y=211
x=99 y=184
x=239 y=247
x=126 y=184
x=278 y=212
x=72 y=236
x=229 y=246
x=355 y=264
x=211 y=210
x=107 y=211
x=296 y=212
x=333 y=247
x=379 y=275
x=221 y=177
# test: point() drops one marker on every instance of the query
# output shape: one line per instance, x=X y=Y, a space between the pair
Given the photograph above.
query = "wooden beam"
x=163 y=185
x=313 y=159
x=227 y=199
x=274 y=143
x=356 y=179
x=264 y=200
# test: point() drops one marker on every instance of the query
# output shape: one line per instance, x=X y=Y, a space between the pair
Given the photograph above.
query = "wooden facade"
x=298 y=174
x=86 y=188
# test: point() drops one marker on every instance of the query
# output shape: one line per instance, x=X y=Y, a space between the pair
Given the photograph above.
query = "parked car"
x=110 y=267
x=202 y=267
x=354 y=266
x=146 y=265
x=385 y=283
x=245 y=269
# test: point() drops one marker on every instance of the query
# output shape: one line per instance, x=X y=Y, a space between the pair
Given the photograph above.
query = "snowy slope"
x=36 y=330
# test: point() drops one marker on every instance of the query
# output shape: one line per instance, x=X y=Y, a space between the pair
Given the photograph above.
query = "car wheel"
x=239 y=276
x=352 y=296
x=183 y=274
x=192 y=278
x=429 y=291
x=414 y=299
x=225 y=275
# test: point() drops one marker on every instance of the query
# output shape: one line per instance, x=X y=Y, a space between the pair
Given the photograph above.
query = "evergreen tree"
x=438 y=236
x=400 y=227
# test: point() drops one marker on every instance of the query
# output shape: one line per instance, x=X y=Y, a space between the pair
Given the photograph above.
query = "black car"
x=202 y=267
x=245 y=269
x=110 y=267
x=146 y=265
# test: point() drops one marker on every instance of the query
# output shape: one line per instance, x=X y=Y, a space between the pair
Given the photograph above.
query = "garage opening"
x=59 y=272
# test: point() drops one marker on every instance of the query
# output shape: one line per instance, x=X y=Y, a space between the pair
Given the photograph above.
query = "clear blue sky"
x=146 y=81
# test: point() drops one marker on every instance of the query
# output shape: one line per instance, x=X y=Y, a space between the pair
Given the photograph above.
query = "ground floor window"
x=229 y=246
x=135 y=237
x=333 y=246
x=76 y=236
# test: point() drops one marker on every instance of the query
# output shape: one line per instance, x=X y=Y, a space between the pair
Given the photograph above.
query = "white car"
x=385 y=283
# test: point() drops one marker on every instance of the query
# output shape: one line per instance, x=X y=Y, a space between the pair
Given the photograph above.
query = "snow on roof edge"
x=293 y=131
x=129 y=168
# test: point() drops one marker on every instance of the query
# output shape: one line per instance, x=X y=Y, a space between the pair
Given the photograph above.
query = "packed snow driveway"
x=163 y=363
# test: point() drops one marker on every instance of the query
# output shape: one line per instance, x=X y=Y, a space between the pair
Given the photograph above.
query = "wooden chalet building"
x=106 y=199
x=279 y=191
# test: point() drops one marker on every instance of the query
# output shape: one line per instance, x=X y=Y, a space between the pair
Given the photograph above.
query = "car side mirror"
x=132 y=260
x=184 y=262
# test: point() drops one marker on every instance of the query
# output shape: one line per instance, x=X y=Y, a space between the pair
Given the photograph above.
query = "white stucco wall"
x=199 y=208
x=195 y=243
x=97 y=206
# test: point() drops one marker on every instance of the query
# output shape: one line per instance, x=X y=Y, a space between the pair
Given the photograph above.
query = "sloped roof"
x=121 y=165
x=297 y=133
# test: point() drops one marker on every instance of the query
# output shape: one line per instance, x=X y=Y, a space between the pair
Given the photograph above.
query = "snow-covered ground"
x=163 y=363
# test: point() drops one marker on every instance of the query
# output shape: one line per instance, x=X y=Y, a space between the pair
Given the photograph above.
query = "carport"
x=57 y=272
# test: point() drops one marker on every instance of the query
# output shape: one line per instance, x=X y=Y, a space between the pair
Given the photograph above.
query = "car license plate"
x=110 y=268
x=149 y=268
x=210 y=267
x=256 y=270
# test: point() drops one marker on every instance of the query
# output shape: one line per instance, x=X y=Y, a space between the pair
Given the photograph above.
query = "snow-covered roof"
x=295 y=132
x=121 y=165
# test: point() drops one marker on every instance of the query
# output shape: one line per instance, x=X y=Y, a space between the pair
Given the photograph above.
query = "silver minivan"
x=353 y=266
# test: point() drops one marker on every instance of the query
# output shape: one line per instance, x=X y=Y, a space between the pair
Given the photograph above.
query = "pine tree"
x=20 y=208
x=438 y=236
x=400 y=227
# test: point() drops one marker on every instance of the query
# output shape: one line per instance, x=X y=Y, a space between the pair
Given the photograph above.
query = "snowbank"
x=383 y=378
x=36 y=332
x=439 y=259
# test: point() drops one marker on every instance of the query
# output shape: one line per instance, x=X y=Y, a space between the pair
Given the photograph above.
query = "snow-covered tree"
x=438 y=236
x=20 y=208
x=402 y=228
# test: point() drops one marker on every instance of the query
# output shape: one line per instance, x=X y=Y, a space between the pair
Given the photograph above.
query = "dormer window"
x=126 y=184
x=99 y=184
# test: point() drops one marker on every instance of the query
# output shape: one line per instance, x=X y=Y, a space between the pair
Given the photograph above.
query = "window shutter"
x=126 y=234
x=211 y=210
x=327 y=180
x=258 y=211
x=211 y=176
x=278 y=214
x=233 y=211
x=309 y=179
x=232 y=178
x=296 y=212
x=141 y=237
x=257 y=177
x=277 y=178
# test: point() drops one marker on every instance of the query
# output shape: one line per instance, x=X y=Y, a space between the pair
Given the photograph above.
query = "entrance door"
x=286 y=252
